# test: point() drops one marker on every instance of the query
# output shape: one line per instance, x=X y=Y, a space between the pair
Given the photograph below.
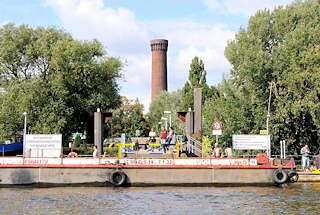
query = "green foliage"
x=111 y=152
x=197 y=79
x=232 y=108
x=166 y=102
x=57 y=80
x=183 y=155
x=280 y=48
x=81 y=150
x=45 y=113
x=207 y=147
x=77 y=141
x=128 y=118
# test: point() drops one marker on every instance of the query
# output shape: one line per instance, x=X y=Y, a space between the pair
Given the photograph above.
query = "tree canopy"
x=128 y=118
x=197 y=79
x=280 y=49
x=57 y=80
x=166 y=101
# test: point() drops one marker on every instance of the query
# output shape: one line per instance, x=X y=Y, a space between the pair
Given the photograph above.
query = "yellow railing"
x=151 y=144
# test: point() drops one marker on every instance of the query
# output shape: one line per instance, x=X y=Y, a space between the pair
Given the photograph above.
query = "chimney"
x=159 y=49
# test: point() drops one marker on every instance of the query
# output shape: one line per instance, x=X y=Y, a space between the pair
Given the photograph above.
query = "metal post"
x=24 y=132
x=281 y=152
x=284 y=149
x=268 y=117
x=168 y=112
x=98 y=132
x=166 y=120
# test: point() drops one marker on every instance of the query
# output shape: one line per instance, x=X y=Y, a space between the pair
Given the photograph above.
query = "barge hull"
x=135 y=176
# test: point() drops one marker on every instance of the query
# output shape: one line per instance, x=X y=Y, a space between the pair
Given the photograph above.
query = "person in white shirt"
x=152 y=136
x=217 y=151
x=95 y=152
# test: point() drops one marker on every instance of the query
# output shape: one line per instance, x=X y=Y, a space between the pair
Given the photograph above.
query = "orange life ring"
x=72 y=155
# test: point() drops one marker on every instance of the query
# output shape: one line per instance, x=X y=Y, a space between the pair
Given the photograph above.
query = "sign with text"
x=43 y=145
x=216 y=132
x=252 y=142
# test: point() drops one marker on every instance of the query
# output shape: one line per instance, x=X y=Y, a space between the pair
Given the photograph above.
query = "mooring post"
x=98 y=132
x=189 y=129
x=198 y=116
x=198 y=111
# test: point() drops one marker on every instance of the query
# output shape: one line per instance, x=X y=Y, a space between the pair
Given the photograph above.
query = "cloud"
x=244 y=7
x=188 y=39
x=120 y=32
x=126 y=37
x=88 y=19
x=3 y=23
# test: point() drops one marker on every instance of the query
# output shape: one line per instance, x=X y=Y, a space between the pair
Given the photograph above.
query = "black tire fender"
x=293 y=176
x=117 y=178
x=280 y=176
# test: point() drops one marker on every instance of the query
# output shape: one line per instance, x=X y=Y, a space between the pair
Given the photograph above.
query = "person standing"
x=152 y=136
x=169 y=138
x=152 y=139
x=163 y=137
x=228 y=152
x=305 y=152
x=217 y=151
x=95 y=153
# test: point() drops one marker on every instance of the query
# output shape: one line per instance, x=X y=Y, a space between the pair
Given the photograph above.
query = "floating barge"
x=142 y=171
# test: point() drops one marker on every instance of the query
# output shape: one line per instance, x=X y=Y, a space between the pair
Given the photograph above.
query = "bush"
x=77 y=141
x=183 y=155
x=111 y=152
x=82 y=150
x=206 y=143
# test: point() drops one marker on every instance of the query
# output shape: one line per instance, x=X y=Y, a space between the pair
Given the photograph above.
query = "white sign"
x=43 y=145
x=216 y=132
x=244 y=142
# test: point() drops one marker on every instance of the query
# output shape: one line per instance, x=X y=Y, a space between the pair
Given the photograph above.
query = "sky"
x=125 y=27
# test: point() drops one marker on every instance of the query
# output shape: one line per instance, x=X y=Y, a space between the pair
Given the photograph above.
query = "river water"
x=295 y=199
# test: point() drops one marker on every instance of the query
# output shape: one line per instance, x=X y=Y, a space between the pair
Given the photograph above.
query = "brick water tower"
x=159 y=49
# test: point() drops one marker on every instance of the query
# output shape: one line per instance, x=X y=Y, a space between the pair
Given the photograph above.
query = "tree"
x=128 y=118
x=57 y=80
x=280 y=48
x=166 y=102
x=230 y=106
x=77 y=141
x=47 y=111
x=197 y=79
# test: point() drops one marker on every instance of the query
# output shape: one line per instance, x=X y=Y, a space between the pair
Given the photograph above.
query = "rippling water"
x=295 y=199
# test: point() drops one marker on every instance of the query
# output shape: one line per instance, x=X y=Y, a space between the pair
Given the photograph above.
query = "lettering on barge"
x=35 y=161
x=187 y=162
x=128 y=161
x=155 y=162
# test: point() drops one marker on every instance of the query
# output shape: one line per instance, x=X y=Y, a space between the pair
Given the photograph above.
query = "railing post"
x=177 y=148
x=284 y=149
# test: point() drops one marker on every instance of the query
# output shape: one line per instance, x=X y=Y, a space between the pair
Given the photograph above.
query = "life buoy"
x=117 y=178
x=72 y=155
x=280 y=176
x=293 y=176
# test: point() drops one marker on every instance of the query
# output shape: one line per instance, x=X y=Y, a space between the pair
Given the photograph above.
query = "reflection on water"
x=295 y=199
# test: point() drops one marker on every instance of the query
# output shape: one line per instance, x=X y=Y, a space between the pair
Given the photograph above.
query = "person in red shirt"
x=163 y=137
